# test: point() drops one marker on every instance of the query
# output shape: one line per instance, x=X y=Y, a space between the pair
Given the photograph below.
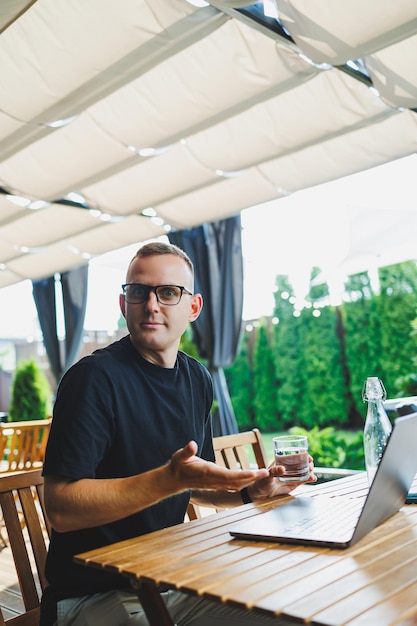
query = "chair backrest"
x=23 y=444
x=235 y=452
x=28 y=531
x=232 y=451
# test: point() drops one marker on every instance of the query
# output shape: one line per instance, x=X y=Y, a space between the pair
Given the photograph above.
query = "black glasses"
x=169 y=295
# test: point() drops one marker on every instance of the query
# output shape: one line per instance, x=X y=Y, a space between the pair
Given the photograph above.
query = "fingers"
x=190 y=449
x=232 y=480
x=277 y=470
x=274 y=487
x=184 y=454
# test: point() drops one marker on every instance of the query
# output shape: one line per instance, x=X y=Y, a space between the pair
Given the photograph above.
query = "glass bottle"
x=377 y=425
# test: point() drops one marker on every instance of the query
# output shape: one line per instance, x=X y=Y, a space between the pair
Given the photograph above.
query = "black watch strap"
x=244 y=494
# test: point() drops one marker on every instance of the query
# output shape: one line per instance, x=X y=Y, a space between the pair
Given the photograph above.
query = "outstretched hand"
x=269 y=487
x=192 y=472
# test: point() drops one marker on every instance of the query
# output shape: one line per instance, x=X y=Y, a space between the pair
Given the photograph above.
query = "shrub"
x=30 y=394
x=333 y=448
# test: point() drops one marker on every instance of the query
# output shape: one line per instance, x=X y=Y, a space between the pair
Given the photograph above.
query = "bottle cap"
x=373 y=389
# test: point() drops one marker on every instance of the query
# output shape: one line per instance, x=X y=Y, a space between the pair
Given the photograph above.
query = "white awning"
x=160 y=115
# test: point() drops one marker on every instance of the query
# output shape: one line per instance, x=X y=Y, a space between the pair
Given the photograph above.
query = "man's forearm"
x=85 y=503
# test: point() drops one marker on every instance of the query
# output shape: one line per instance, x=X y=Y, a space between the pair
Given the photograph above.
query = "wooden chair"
x=23 y=444
x=21 y=500
x=234 y=452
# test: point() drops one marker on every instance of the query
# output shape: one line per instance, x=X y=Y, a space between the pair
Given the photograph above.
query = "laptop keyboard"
x=337 y=515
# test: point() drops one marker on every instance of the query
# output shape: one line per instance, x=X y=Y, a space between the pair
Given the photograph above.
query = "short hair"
x=158 y=247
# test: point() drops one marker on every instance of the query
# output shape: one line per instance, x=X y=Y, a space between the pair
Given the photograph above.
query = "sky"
x=349 y=225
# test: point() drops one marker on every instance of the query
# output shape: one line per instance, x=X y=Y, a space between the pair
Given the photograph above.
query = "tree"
x=407 y=384
x=324 y=399
x=31 y=395
x=362 y=340
x=240 y=382
x=188 y=345
x=264 y=382
x=286 y=351
x=323 y=354
x=397 y=306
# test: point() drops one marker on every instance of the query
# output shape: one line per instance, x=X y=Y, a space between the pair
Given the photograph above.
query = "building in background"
x=15 y=350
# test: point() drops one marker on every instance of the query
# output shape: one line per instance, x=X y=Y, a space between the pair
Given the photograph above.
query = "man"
x=130 y=443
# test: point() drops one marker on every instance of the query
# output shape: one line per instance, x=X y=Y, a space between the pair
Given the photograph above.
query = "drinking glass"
x=291 y=451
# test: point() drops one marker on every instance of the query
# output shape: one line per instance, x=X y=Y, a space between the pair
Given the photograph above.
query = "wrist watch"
x=244 y=494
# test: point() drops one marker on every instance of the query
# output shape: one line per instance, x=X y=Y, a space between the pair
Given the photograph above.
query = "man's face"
x=156 y=329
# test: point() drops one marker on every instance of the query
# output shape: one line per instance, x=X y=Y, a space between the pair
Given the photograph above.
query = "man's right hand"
x=189 y=471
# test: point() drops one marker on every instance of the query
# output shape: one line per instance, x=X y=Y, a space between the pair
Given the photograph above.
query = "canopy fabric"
x=163 y=116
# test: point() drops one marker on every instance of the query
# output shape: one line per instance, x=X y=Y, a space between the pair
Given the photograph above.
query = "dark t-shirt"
x=118 y=415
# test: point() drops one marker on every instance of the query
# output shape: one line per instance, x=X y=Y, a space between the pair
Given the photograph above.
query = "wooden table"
x=373 y=583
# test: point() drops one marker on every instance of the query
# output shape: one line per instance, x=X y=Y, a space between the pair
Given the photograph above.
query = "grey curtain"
x=44 y=296
x=74 y=296
x=74 y=285
x=216 y=251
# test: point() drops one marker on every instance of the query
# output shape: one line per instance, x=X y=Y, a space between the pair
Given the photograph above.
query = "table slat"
x=398 y=608
x=337 y=596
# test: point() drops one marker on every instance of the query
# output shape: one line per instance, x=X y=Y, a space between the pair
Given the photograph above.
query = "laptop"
x=340 y=521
